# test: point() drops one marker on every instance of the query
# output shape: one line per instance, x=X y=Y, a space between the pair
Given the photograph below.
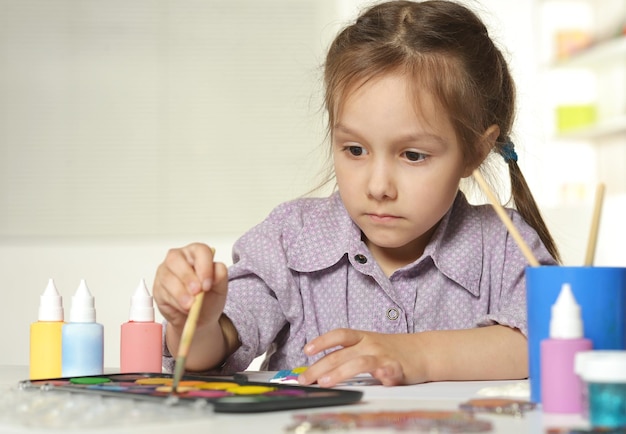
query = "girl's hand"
x=387 y=357
x=183 y=274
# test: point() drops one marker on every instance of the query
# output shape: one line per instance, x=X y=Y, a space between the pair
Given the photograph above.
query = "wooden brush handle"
x=528 y=254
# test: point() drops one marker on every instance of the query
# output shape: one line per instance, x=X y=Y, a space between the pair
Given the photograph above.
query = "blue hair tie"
x=508 y=151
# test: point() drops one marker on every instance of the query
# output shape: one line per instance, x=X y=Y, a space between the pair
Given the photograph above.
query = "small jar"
x=604 y=375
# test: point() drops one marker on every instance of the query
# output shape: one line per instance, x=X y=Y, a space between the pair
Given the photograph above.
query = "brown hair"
x=446 y=49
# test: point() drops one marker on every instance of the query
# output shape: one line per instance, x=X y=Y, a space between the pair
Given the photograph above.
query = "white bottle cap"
x=50 y=304
x=141 y=304
x=601 y=366
x=83 y=309
x=566 y=321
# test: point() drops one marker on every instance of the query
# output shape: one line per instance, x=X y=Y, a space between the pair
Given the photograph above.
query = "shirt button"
x=361 y=259
x=393 y=314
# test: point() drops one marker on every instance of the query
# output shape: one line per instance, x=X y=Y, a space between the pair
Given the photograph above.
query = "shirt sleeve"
x=264 y=299
x=508 y=276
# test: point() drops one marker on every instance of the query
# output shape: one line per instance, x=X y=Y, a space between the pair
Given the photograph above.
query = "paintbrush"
x=186 y=337
x=595 y=225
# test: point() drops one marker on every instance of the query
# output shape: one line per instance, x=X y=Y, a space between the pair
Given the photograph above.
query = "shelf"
x=610 y=52
x=615 y=125
x=600 y=53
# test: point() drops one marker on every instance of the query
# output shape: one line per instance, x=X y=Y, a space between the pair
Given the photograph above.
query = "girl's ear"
x=485 y=144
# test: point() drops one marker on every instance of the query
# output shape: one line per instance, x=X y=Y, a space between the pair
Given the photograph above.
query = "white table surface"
x=431 y=396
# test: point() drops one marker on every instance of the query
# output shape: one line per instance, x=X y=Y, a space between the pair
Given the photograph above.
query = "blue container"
x=601 y=294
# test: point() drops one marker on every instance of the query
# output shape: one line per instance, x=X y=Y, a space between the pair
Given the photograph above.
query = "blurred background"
x=128 y=128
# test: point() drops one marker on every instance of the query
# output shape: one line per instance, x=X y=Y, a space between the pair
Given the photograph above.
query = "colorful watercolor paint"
x=155 y=381
x=89 y=380
x=217 y=385
x=236 y=395
x=208 y=393
x=170 y=389
x=288 y=376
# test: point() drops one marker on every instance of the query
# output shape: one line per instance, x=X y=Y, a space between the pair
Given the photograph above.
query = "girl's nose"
x=381 y=184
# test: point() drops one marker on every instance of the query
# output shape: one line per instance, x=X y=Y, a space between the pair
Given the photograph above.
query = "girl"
x=395 y=274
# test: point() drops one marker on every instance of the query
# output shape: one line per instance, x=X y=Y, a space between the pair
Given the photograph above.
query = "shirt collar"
x=329 y=227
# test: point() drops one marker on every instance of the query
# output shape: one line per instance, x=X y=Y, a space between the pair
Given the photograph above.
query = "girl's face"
x=398 y=169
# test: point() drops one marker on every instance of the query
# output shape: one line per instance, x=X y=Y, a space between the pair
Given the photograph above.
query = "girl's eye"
x=414 y=156
x=356 y=150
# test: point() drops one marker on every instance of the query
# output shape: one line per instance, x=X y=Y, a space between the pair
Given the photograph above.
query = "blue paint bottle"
x=82 y=337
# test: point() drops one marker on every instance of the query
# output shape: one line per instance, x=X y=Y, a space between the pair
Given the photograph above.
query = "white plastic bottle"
x=83 y=337
x=141 y=337
x=45 y=335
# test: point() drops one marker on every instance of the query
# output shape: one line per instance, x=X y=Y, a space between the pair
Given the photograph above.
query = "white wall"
x=570 y=225
x=126 y=118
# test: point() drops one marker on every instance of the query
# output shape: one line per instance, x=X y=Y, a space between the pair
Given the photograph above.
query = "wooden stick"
x=595 y=226
x=189 y=330
x=528 y=254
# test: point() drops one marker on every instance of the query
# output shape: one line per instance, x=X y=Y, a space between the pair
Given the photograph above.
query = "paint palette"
x=224 y=394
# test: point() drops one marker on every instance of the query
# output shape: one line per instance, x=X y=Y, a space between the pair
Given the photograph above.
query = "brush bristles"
x=178 y=373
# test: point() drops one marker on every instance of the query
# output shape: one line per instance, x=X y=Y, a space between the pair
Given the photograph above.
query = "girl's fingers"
x=183 y=274
x=170 y=290
x=390 y=374
x=215 y=298
x=178 y=263
x=220 y=279
x=338 y=367
x=332 y=339
x=342 y=363
x=198 y=276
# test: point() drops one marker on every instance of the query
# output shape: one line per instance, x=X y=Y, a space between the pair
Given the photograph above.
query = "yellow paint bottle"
x=45 y=336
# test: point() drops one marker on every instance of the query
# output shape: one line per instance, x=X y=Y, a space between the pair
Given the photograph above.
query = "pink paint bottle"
x=561 y=387
x=141 y=336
